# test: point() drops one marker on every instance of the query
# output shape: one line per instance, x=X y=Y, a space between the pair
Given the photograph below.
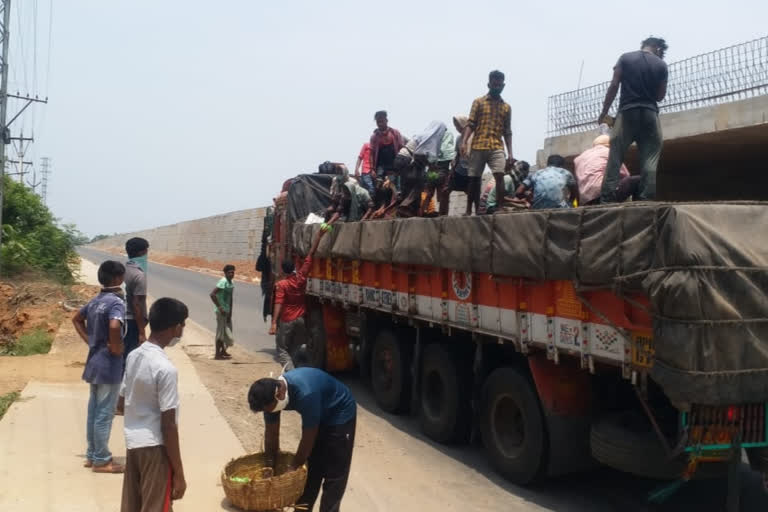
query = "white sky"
x=162 y=111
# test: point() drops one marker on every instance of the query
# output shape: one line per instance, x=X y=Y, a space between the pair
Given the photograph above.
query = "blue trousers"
x=101 y=412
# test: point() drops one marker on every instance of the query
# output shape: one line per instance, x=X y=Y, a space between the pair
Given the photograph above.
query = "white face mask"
x=173 y=341
x=281 y=404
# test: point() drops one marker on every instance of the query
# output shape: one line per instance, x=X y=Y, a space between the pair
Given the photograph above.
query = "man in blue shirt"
x=328 y=417
x=100 y=324
x=553 y=186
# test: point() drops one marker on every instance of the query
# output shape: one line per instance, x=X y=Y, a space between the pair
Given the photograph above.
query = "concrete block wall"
x=234 y=236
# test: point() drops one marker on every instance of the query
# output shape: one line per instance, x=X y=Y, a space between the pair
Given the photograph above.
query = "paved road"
x=193 y=288
x=601 y=490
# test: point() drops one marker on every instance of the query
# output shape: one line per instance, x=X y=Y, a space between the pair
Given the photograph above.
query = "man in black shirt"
x=643 y=78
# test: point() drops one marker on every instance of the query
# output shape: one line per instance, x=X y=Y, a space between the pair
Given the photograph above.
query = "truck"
x=631 y=335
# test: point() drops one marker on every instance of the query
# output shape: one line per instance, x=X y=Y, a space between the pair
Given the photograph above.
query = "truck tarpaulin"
x=309 y=193
x=704 y=268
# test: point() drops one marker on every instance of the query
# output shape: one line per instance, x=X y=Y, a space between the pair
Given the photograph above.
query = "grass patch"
x=6 y=401
x=34 y=342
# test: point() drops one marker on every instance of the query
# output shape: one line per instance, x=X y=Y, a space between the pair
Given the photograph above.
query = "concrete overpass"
x=716 y=151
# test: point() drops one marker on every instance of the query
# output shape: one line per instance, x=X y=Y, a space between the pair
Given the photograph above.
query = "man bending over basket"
x=328 y=416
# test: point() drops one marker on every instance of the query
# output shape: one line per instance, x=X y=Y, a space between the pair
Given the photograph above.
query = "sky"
x=163 y=111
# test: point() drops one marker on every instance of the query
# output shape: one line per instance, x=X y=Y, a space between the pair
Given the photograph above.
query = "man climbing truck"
x=634 y=334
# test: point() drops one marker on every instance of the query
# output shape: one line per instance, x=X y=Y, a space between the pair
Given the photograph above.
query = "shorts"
x=479 y=158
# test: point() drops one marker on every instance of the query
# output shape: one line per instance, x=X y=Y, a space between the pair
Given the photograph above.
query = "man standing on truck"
x=642 y=76
x=368 y=176
x=328 y=419
x=385 y=144
x=290 y=307
x=490 y=119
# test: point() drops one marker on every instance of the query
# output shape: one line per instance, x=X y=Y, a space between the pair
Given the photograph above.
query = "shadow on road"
x=600 y=490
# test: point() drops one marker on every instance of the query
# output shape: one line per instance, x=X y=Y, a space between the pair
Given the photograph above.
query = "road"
x=193 y=289
x=601 y=490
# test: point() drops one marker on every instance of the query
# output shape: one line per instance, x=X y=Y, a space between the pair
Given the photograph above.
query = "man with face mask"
x=328 y=418
x=135 y=293
x=489 y=120
x=149 y=399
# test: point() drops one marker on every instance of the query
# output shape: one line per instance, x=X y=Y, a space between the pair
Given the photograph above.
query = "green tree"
x=32 y=238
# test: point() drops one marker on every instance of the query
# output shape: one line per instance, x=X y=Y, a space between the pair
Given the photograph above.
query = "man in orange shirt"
x=290 y=307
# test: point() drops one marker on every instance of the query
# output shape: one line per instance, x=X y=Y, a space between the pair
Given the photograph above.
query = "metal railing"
x=725 y=75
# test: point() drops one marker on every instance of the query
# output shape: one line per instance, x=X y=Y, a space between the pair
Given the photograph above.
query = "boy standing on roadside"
x=223 y=297
x=100 y=324
x=149 y=398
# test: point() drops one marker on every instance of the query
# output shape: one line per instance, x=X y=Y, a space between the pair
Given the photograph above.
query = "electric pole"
x=4 y=132
x=45 y=170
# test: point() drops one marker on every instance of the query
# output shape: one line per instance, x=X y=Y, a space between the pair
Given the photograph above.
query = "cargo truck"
x=632 y=335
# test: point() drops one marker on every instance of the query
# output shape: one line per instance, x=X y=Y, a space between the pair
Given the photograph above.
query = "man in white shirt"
x=149 y=398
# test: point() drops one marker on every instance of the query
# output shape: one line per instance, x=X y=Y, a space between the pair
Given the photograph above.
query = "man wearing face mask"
x=328 y=419
x=489 y=120
x=149 y=399
x=136 y=293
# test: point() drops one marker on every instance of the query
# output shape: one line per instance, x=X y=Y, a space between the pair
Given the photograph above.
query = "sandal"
x=109 y=467
x=88 y=463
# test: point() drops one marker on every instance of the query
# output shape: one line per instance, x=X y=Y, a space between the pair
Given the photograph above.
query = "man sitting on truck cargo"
x=385 y=144
x=288 y=316
x=643 y=78
x=590 y=168
x=553 y=186
x=328 y=418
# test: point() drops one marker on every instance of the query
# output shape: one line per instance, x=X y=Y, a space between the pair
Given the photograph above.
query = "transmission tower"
x=45 y=170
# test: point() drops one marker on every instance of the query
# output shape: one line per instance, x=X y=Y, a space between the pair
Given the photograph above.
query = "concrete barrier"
x=234 y=236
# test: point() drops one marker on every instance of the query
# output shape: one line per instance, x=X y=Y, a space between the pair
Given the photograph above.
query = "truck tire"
x=512 y=426
x=627 y=442
x=390 y=372
x=445 y=413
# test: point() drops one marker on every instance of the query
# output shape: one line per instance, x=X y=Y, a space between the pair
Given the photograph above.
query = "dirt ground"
x=31 y=303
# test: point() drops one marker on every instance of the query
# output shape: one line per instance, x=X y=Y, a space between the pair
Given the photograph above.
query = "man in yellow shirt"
x=489 y=120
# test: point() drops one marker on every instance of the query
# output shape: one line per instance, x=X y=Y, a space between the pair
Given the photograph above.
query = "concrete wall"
x=234 y=236
x=675 y=125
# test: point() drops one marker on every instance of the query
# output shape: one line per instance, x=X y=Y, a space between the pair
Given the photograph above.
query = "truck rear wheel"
x=512 y=426
x=390 y=372
x=445 y=412
x=627 y=442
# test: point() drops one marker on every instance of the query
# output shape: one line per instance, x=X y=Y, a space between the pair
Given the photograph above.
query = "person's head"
x=111 y=274
x=288 y=267
x=495 y=83
x=229 y=272
x=381 y=120
x=460 y=122
x=136 y=247
x=166 y=319
x=264 y=393
x=656 y=45
x=556 y=161
x=601 y=140
x=523 y=168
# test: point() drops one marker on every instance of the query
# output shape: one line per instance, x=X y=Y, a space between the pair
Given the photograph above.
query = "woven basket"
x=263 y=493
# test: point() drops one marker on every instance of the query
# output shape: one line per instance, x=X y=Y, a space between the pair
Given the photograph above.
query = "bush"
x=34 y=342
x=6 y=401
x=32 y=239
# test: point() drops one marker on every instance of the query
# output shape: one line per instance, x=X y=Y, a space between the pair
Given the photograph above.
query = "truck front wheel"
x=390 y=372
x=512 y=426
